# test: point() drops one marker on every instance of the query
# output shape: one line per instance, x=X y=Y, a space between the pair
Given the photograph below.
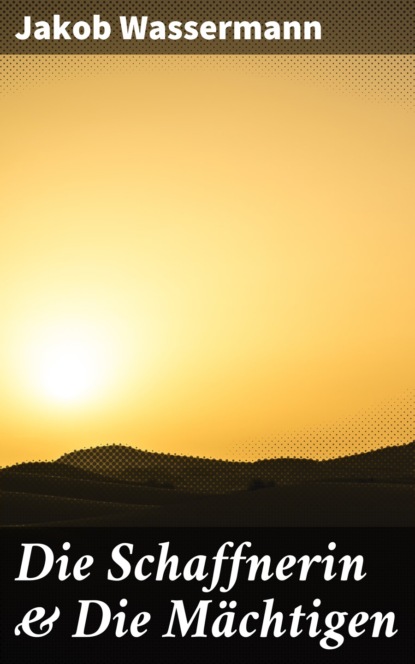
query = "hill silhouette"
x=120 y=485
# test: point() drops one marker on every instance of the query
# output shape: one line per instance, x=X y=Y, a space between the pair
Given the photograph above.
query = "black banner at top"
x=208 y=27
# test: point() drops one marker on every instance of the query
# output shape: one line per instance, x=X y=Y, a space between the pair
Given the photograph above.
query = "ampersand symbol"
x=33 y=616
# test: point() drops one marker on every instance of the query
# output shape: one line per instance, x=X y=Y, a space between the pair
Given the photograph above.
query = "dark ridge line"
x=233 y=461
x=62 y=459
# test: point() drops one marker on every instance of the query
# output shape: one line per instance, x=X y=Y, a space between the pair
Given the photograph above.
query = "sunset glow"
x=166 y=291
x=68 y=371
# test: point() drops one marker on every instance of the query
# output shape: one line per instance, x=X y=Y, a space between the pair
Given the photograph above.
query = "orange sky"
x=192 y=261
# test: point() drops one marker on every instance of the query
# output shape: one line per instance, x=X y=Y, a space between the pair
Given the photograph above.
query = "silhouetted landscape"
x=117 y=485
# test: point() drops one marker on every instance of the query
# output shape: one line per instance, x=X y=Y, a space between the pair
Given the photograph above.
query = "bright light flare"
x=69 y=364
x=68 y=372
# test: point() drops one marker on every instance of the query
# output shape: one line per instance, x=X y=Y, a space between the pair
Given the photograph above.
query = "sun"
x=68 y=364
x=68 y=371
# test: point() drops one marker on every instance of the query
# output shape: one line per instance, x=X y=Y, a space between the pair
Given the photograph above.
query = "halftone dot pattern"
x=390 y=423
x=367 y=432
x=379 y=78
x=115 y=484
x=127 y=479
x=349 y=26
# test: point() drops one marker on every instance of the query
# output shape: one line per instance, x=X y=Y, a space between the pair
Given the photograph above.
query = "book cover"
x=207 y=338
